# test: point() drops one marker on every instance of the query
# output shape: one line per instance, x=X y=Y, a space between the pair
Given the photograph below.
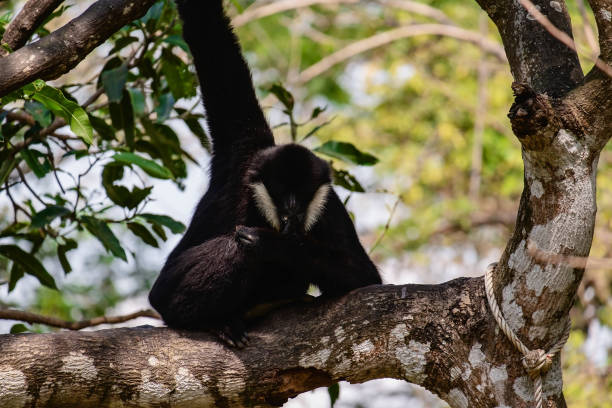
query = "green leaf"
x=118 y=194
x=149 y=166
x=19 y=328
x=61 y=254
x=334 y=393
x=102 y=128
x=159 y=230
x=113 y=82
x=17 y=273
x=122 y=43
x=143 y=233
x=56 y=102
x=122 y=116
x=178 y=41
x=283 y=95
x=346 y=152
x=138 y=101
x=163 y=110
x=44 y=217
x=177 y=74
x=173 y=225
x=317 y=111
x=103 y=233
x=6 y=166
x=345 y=179
x=31 y=158
x=38 y=111
x=29 y=263
x=193 y=124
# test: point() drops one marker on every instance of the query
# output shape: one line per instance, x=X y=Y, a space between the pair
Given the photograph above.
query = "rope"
x=536 y=362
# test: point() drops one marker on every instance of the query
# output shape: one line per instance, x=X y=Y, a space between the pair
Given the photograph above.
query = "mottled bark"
x=33 y=13
x=536 y=57
x=440 y=336
x=62 y=50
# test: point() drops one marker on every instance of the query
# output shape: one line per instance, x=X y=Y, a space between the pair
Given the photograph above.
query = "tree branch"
x=602 y=9
x=33 y=13
x=536 y=57
x=29 y=317
x=386 y=37
x=438 y=336
x=59 y=52
x=560 y=35
x=255 y=13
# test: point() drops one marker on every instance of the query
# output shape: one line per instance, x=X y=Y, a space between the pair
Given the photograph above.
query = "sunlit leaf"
x=56 y=102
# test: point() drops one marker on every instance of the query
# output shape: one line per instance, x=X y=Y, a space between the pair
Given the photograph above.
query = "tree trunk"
x=442 y=337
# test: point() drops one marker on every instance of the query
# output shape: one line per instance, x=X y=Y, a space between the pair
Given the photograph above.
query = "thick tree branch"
x=439 y=336
x=536 y=57
x=59 y=52
x=29 y=317
x=33 y=13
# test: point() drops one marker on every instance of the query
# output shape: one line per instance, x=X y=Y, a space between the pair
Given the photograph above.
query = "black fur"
x=230 y=258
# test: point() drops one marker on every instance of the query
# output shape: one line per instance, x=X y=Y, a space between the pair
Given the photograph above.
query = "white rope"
x=536 y=362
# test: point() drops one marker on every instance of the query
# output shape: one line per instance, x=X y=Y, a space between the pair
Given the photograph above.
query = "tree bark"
x=442 y=337
x=62 y=50
x=438 y=336
x=33 y=13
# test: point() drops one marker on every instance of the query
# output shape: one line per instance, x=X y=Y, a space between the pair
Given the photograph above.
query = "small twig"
x=588 y=30
x=23 y=179
x=420 y=8
x=579 y=262
x=29 y=317
x=387 y=225
x=15 y=205
x=479 y=117
x=278 y=7
x=387 y=37
x=561 y=35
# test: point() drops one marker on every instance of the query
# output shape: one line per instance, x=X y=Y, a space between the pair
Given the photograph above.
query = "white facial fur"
x=266 y=205
x=316 y=206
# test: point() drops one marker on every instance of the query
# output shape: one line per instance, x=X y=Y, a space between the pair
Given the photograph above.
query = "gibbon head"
x=290 y=187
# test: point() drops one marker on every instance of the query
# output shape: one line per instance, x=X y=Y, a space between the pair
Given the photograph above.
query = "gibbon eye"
x=284 y=218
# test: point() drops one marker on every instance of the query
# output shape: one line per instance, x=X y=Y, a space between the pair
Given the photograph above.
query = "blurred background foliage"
x=100 y=169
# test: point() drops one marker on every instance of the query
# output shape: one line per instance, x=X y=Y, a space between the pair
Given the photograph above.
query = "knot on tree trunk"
x=533 y=117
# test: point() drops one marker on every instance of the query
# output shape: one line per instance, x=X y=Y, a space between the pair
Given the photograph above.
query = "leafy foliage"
x=119 y=127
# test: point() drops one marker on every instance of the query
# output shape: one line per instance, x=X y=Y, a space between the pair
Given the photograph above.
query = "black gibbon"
x=270 y=224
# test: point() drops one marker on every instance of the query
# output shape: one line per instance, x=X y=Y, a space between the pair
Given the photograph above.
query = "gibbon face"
x=290 y=187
